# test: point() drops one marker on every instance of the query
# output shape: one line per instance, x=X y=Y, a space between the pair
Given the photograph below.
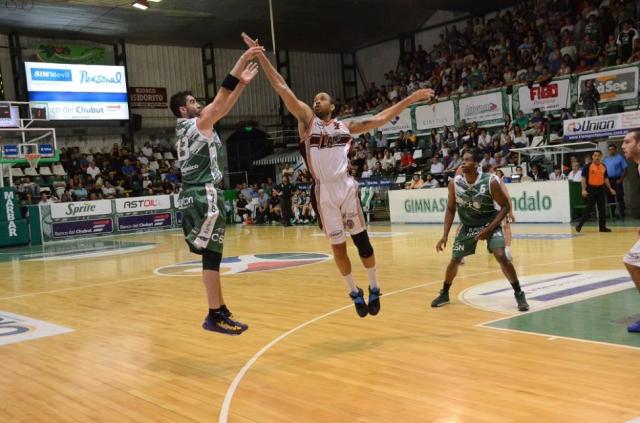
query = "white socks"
x=351 y=285
x=373 y=279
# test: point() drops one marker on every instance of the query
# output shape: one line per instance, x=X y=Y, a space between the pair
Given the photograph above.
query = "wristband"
x=230 y=82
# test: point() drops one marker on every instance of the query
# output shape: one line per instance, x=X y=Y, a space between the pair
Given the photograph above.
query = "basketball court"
x=108 y=329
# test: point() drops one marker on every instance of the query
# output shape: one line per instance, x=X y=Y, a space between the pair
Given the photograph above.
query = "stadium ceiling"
x=300 y=25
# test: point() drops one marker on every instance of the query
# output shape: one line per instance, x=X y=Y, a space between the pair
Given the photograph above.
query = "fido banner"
x=548 y=98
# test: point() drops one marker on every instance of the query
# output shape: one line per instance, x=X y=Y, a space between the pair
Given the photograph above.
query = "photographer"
x=589 y=99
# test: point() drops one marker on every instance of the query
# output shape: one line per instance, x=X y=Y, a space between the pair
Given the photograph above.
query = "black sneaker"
x=605 y=230
x=358 y=301
x=441 y=299
x=222 y=324
x=522 y=301
x=578 y=227
x=227 y=313
x=374 y=301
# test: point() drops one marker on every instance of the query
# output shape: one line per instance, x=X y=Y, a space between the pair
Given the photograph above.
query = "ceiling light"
x=155 y=1
x=141 y=4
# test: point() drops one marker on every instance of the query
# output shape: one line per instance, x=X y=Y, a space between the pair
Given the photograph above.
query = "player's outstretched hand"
x=424 y=94
x=250 y=42
x=249 y=72
x=440 y=246
x=251 y=53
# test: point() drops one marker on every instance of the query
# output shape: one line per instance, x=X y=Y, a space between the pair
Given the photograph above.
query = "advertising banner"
x=549 y=98
x=78 y=91
x=144 y=221
x=435 y=115
x=81 y=227
x=600 y=126
x=148 y=97
x=482 y=108
x=531 y=202
x=613 y=85
x=80 y=209
x=402 y=122
x=138 y=204
x=69 y=53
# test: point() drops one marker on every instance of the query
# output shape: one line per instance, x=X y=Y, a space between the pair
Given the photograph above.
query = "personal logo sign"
x=15 y=328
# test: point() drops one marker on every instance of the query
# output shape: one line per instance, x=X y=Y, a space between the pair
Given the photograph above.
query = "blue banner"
x=144 y=221
x=82 y=227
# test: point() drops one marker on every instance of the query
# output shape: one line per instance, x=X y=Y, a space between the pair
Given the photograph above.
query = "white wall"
x=171 y=67
x=313 y=72
x=377 y=60
x=5 y=65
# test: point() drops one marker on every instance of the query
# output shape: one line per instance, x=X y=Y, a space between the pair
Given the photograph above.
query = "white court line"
x=226 y=404
x=55 y=291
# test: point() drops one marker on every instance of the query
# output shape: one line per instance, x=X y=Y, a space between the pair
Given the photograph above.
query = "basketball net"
x=32 y=158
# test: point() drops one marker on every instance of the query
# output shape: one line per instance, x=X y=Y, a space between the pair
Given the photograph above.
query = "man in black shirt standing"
x=285 y=192
x=626 y=40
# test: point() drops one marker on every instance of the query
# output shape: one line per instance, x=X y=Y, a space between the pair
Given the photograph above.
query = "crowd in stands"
x=116 y=173
x=538 y=40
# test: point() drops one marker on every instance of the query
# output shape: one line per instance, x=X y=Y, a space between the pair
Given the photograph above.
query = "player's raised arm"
x=241 y=74
x=389 y=113
x=297 y=108
x=448 y=217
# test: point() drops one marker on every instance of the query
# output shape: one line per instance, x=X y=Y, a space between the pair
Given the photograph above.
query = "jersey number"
x=183 y=148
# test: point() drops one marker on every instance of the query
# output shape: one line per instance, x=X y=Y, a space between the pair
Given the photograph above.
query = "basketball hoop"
x=32 y=158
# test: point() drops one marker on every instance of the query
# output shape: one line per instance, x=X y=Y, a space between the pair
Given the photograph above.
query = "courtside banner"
x=554 y=96
x=80 y=209
x=137 y=204
x=482 y=108
x=435 y=115
x=613 y=85
x=600 y=126
x=402 y=122
x=539 y=202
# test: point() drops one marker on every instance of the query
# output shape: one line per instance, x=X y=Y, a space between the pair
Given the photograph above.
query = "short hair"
x=178 y=100
x=635 y=133
x=612 y=146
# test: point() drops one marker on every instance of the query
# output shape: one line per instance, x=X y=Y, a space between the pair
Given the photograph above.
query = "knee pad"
x=361 y=240
x=211 y=260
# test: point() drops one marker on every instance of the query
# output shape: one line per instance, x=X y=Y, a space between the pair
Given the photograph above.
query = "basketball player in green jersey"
x=200 y=201
x=473 y=194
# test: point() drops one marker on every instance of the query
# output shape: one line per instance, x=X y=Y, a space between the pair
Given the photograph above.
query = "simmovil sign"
x=531 y=202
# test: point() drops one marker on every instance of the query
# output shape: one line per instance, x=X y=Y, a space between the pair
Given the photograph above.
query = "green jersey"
x=198 y=155
x=474 y=201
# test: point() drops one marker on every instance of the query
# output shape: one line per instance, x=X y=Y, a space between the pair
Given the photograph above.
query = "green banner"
x=69 y=53
x=13 y=228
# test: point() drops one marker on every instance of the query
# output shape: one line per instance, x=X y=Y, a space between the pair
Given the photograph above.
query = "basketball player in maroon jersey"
x=325 y=144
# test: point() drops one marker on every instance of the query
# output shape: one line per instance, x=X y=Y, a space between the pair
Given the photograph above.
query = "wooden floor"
x=137 y=352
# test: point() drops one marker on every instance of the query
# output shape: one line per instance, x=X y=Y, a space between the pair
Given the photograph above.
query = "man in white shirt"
x=366 y=172
x=487 y=161
x=576 y=172
x=557 y=175
x=93 y=170
x=147 y=150
x=143 y=159
x=436 y=166
x=381 y=141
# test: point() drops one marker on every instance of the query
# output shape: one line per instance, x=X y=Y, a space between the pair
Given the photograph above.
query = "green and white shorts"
x=203 y=218
x=465 y=242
